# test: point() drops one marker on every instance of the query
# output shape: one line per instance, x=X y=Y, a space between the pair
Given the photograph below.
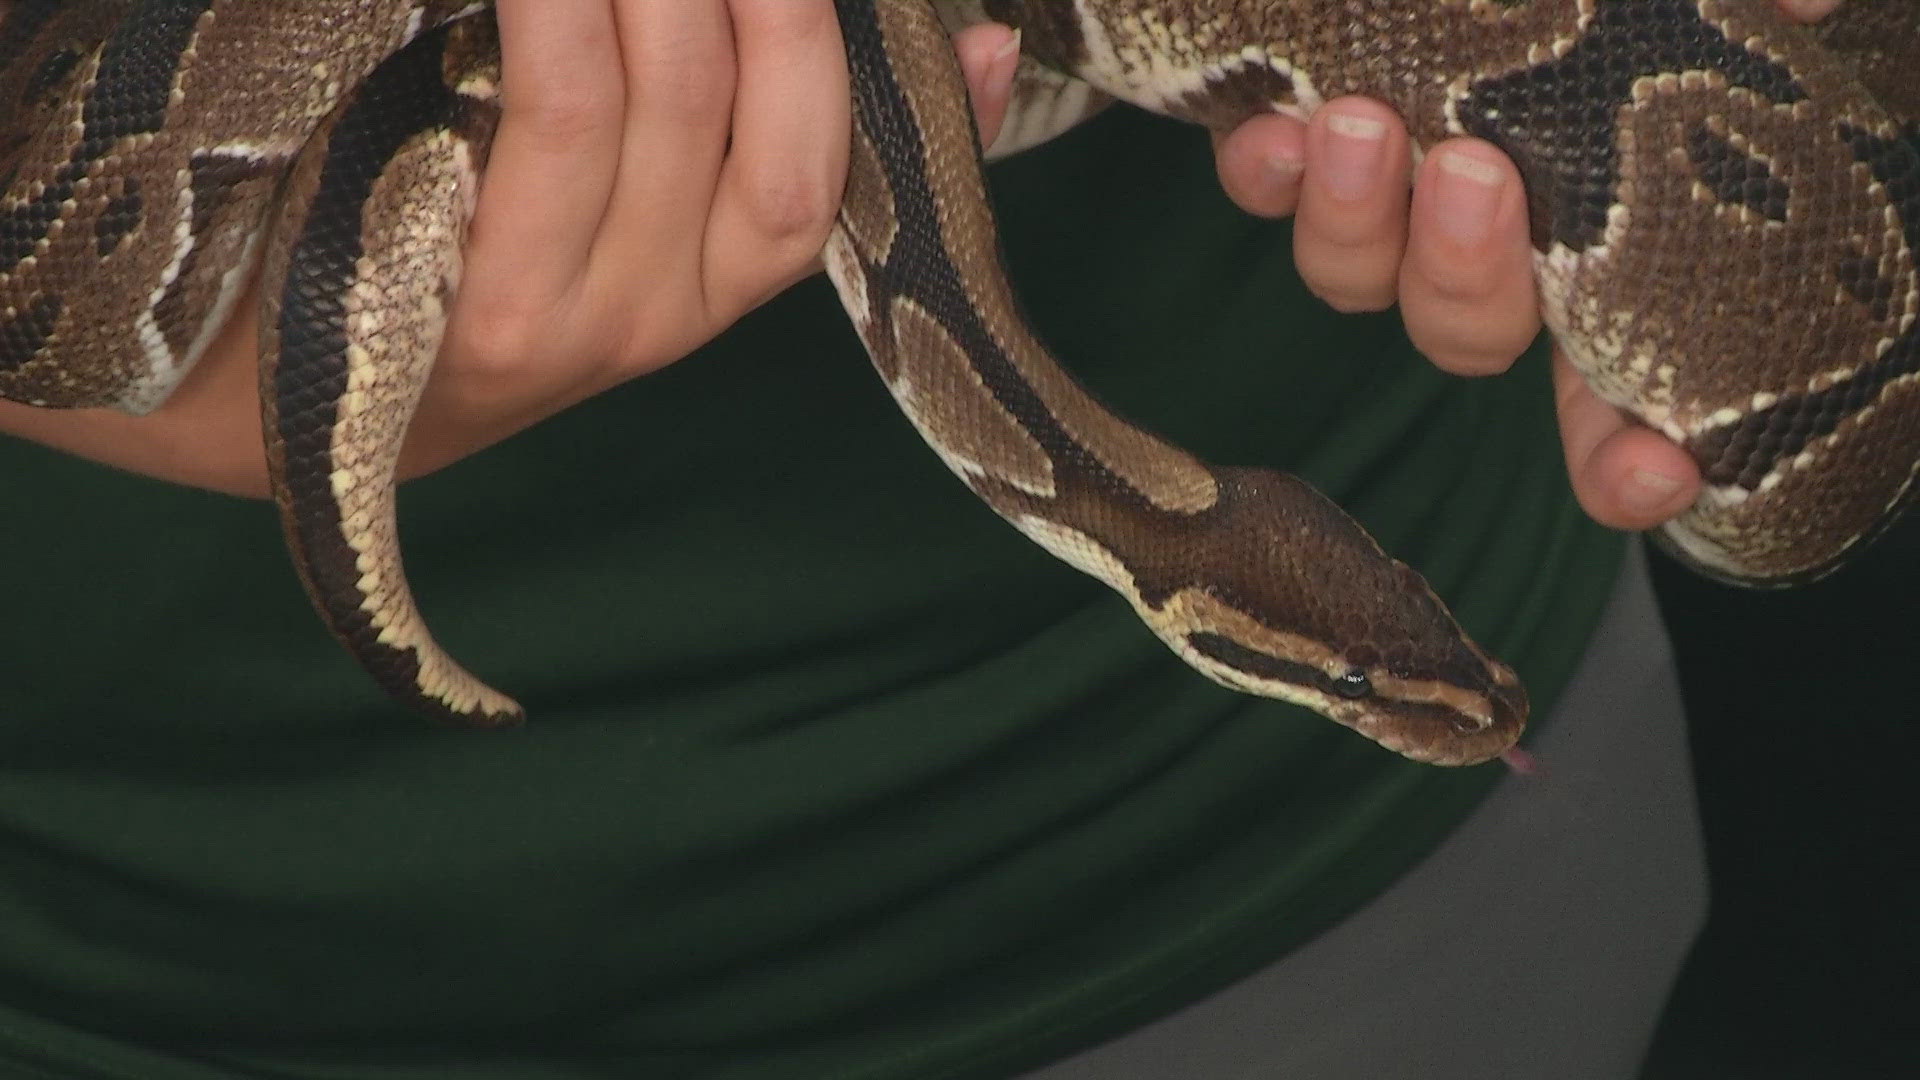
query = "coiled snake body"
x=1726 y=216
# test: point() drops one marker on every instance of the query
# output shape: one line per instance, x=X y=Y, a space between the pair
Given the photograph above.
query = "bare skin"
x=665 y=166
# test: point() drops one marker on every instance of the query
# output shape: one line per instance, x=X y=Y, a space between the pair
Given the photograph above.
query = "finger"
x=989 y=57
x=1350 y=233
x=557 y=150
x=786 y=168
x=1808 y=10
x=1261 y=163
x=1626 y=475
x=1466 y=286
x=680 y=65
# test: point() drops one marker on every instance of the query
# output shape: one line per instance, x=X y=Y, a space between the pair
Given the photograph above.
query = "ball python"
x=1725 y=214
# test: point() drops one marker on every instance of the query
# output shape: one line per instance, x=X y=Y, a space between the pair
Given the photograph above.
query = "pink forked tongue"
x=1521 y=762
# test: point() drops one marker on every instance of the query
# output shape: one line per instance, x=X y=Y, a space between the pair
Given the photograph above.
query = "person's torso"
x=828 y=771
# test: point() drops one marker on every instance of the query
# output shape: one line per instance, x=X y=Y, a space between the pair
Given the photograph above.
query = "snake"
x=1724 y=213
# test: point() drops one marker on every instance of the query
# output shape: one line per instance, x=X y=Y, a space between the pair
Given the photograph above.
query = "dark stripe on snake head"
x=1557 y=119
x=1355 y=696
x=1261 y=665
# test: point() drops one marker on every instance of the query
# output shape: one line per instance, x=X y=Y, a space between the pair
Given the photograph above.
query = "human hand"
x=660 y=169
x=1456 y=258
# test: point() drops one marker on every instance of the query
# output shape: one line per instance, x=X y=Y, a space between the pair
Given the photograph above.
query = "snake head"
x=1415 y=682
x=1307 y=608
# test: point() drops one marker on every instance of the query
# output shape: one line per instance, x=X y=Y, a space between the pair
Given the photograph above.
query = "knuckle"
x=782 y=20
x=644 y=338
x=495 y=337
x=1353 y=233
x=563 y=108
x=1359 y=304
x=1461 y=281
x=1458 y=357
x=688 y=87
x=1350 y=285
x=1468 y=340
x=564 y=116
x=1259 y=186
x=1353 y=300
x=791 y=207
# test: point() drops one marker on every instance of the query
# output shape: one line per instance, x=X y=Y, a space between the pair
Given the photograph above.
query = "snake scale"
x=1725 y=211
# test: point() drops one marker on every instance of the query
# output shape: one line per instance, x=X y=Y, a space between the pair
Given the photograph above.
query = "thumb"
x=989 y=56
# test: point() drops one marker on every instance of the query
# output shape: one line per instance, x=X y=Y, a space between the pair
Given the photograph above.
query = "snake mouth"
x=1444 y=732
x=1461 y=713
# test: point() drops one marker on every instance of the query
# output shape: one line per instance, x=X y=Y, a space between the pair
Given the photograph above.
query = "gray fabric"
x=1538 y=941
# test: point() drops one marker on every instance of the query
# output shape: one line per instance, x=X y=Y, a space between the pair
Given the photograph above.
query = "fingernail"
x=1467 y=194
x=1004 y=65
x=1809 y=10
x=1355 y=147
x=1284 y=166
x=1011 y=48
x=1649 y=491
x=996 y=88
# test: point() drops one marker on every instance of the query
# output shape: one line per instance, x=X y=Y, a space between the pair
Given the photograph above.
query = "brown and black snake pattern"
x=1726 y=216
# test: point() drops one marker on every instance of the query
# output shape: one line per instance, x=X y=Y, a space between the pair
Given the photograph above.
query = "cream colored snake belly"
x=1726 y=211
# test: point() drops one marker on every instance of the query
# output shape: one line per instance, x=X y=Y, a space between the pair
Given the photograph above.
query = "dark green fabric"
x=831 y=774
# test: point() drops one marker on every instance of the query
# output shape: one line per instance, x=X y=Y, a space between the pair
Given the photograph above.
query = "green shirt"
x=829 y=771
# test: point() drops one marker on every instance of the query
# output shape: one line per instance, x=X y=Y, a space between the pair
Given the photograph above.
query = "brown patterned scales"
x=1725 y=215
x=1725 y=222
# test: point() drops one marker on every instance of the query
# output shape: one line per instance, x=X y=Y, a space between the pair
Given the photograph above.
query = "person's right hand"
x=661 y=168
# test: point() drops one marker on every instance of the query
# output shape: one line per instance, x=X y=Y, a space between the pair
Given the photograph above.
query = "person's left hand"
x=1453 y=252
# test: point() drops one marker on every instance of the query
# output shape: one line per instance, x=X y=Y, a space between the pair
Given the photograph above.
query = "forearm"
x=208 y=433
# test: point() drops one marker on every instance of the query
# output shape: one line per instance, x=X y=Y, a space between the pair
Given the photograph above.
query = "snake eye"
x=1354 y=684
